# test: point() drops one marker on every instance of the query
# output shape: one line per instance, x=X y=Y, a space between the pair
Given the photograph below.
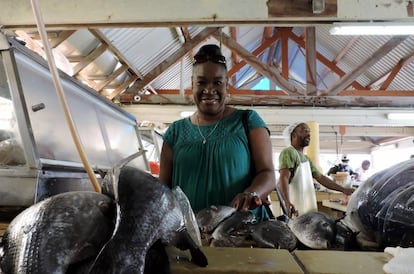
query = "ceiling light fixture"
x=373 y=28
x=400 y=116
x=186 y=113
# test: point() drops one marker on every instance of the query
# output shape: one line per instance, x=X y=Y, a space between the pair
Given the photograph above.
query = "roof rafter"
x=405 y=62
x=300 y=41
x=263 y=69
x=375 y=57
x=170 y=61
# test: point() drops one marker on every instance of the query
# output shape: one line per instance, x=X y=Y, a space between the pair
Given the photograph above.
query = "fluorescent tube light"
x=186 y=113
x=386 y=28
x=401 y=116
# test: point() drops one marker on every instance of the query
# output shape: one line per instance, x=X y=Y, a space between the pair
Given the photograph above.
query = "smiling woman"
x=209 y=155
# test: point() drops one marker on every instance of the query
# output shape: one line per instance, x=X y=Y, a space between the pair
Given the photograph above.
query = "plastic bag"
x=402 y=262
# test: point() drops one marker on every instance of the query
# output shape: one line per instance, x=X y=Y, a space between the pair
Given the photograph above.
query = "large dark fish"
x=382 y=208
x=273 y=234
x=148 y=212
x=346 y=238
x=234 y=231
x=60 y=231
x=210 y=217
x=316 y=230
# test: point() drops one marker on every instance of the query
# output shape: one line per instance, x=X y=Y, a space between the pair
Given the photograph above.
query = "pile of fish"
x=123 y=231
x=381 y=210
x=223 y=226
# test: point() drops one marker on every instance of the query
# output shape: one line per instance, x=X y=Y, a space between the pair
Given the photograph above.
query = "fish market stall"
x=341 y=262
x=38 y=157
x=247 y=260
x=321 y=196
x=236 y=260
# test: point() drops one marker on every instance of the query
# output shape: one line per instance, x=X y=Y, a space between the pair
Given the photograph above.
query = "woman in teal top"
x=208 y=154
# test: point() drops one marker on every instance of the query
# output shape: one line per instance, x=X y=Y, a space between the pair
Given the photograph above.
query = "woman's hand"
x=246 y=200
x=348 y=191
x=293 y=213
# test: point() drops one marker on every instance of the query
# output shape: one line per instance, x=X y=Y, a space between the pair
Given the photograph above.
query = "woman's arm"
x=166 y=165
x=264 y=180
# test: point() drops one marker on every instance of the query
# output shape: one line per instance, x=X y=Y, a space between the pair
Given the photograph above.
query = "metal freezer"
x=38 y=157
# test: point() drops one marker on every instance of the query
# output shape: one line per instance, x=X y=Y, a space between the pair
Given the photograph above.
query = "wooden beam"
x=325 y=60
x=378 y=82
x=345 y=93
x=122 y=87
x=139 y=13
x=340 y=55
x=375 y=57
x=186 y=34
x=62 y=36
x=171 y=60
x=285 y=52
x=256 y=52
x=234 y=57
x=104 y=40
x=89 y=58
x=110 y=78
x=303 y=8
x=265 y=99
x=261 y=68
x=392 y=75
x=311 y=84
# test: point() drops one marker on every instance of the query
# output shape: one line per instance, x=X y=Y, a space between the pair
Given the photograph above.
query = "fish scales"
x=56 y=232
x=148 y=211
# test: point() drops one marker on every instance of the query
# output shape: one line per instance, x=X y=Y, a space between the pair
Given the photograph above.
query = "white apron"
x=301 y=190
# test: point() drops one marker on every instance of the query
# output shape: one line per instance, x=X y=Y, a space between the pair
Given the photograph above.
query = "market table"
x=341 y=262
x=235 y=260
x=337 y=205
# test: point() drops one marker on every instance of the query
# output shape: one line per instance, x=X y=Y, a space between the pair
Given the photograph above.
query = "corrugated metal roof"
x=147 y=48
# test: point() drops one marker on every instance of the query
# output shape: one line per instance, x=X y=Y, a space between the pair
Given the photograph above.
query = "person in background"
x=362 y=172
x=209 y=155
x=342 y=167
x=297 y=172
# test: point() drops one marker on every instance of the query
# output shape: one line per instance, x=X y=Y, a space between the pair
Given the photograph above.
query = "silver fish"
x=316 y=230
x=209 y=218
x=147 y=212
x=55 y=233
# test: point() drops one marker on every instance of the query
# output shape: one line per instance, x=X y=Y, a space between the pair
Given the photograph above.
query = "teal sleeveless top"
x=214 y=172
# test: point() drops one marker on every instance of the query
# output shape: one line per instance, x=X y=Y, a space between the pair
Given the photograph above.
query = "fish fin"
x=156 y=259
x=197 y=256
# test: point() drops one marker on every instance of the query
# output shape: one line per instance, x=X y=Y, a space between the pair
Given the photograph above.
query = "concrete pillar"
x=313 y=149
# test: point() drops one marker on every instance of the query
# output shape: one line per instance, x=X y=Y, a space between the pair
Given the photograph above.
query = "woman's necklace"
x=211 y=132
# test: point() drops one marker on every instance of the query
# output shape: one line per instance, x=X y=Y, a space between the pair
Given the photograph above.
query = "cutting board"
x=225 y=260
